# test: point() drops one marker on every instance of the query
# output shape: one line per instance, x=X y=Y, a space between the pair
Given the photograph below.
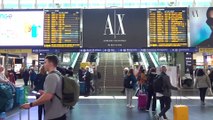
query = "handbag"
x=209 y=92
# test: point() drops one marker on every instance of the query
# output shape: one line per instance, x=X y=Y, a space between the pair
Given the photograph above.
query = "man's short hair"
x=208 y=11
x=53 y=59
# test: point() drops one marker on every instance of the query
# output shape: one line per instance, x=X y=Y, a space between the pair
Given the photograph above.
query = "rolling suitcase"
x=20 y=114
x=181 y=112
x=82 y=88
x=142 y=100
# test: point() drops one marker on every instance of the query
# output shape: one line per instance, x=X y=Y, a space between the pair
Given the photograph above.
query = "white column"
x=36 y=4
x=19 y=4
x=2 y=4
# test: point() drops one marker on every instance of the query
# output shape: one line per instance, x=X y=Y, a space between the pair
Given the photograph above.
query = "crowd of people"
x=87 y=75
x=144 y=82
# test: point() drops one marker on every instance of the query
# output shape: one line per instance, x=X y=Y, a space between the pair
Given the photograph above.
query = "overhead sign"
x=168 y=27
x=114 y=28
x=16 y=51
x=62 y=28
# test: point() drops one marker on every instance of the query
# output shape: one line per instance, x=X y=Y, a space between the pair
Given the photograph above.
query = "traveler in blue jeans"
x=165 y=96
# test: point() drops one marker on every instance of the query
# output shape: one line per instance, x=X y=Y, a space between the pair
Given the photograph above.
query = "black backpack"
x=128 y=82
x=158 y=84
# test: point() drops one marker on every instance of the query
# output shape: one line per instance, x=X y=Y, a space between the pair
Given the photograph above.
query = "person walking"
x=211 y=78
x=151 y=94
x=32 y=77
x=88 y=77
x=96 y=78
x=165 y=95
x=54 y=109
x=202 y=82
x=26 y=76
x=39 y=83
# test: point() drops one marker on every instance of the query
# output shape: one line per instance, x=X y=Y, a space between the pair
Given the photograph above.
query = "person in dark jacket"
x=26 y=76
x=131 y=79
x=211 y=78
x=165 y=96
x=151 y=76
x=32 y=77
x=70 y=72
x=88 y=77
x=39 y=83
x=81 y=74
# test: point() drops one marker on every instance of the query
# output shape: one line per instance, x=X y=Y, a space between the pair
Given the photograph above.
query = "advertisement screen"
x=115 y=28
x=21 y=28
x=201 y=25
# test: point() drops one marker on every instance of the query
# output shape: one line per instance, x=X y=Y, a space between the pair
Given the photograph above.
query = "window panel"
x=149 y=3
x=10 y=4
x=45 y=4
x=131 y=4
x=27 y=4
x=114 y=3
x=63 y=3
x=79 y=4
x=96 y=3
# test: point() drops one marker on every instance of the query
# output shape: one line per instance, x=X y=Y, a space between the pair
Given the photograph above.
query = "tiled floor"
x=113 y=107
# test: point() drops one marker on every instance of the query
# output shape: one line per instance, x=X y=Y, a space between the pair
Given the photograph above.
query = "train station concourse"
x=106 y=59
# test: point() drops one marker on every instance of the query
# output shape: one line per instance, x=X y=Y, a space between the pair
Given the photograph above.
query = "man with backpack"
x=163 y=87
x=54 y=109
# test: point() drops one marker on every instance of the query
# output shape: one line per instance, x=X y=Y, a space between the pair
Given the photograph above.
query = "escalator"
x=111 y=67
x=77 y=65
x=149 y=60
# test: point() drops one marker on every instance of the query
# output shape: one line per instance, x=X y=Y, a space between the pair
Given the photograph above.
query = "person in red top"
x=11 y=77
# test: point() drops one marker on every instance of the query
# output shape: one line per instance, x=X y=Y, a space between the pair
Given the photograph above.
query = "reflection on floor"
x=114 y=108
x=111 y=105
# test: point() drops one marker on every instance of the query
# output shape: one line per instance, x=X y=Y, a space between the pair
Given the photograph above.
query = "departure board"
x=168 y=27
x=62 y=28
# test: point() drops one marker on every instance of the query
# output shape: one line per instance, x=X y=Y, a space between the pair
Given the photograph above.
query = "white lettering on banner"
x=121 y=27
x=108 y=25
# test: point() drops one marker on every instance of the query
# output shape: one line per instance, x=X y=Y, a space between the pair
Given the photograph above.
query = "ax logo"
x=114 y=29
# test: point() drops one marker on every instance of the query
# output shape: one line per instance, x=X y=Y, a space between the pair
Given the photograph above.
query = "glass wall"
x=10 y=4
x=62 y=3
x=96 y=3
x=45 y=4
x=79 y=3
x=27 y=4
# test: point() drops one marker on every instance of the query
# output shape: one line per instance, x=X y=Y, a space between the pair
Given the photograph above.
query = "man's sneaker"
x=157 y=117
x=127 y=105
x=147 y=110
x=131 y=106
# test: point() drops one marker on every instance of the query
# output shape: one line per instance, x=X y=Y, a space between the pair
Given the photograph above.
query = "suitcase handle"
x=20 y=115
x=180 y=93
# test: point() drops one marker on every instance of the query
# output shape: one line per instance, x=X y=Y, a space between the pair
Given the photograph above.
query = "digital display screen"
x=62 y=28
x=115 y=28
x=168 y=27
x=21 y=28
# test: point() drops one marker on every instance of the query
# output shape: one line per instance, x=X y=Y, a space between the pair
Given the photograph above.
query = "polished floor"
x=111 y=105
x=114 y=108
